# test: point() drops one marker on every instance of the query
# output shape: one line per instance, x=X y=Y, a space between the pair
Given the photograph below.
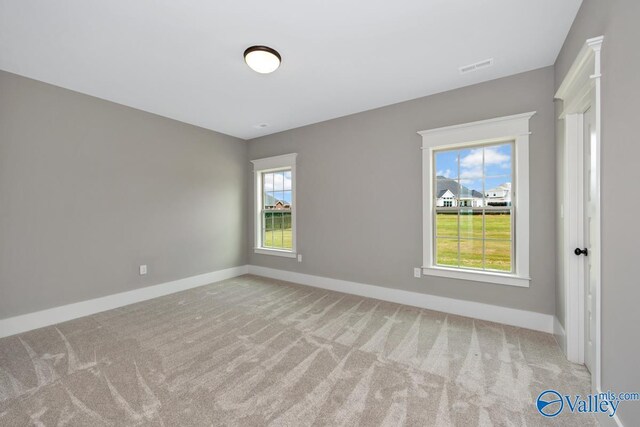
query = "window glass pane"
x=498 y=191
x=497 y=160
x=471 y=163
x=447 y=224
x=470 y=224
x=268 y=182
x=278 y=181
x=446 y=193
x=471 y=253
x=498 y=225
x=280 y=200
x=498 y=255
x=287 y=235
x=447 y=252
x=287 y=180
x=287 y=199
x=470 y=193
x=446 y=164
x=277 y=230
x=269 y=200
x=273 y=231
x=268 y=229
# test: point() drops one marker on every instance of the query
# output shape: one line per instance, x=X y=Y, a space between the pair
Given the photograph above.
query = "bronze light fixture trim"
x=262 y=59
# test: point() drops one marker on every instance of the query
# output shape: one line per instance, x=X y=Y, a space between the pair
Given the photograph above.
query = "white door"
x=590 y=279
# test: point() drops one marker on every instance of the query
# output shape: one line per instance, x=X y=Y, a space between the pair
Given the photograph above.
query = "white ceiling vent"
x=478 y=65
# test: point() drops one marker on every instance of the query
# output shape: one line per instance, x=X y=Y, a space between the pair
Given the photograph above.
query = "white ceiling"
x=183 y=59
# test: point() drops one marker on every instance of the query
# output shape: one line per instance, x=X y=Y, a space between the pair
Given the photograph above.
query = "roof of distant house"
x=444 y=184
x=272 y=201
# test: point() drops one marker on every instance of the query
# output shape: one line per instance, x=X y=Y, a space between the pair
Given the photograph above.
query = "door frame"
x=579 y=91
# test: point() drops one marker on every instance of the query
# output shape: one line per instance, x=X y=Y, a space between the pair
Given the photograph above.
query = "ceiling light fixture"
x=262 y=59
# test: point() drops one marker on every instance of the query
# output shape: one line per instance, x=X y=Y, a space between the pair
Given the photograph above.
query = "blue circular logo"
x=549 y=403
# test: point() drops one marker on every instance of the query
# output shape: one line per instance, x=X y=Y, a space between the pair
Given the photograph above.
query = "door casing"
x=579 y=91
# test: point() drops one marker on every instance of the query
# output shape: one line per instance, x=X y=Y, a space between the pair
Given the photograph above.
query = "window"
x=476 y=201
x=476 y=234
x=275 y=221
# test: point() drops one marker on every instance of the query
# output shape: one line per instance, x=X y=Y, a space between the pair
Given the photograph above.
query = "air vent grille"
x=477 y=66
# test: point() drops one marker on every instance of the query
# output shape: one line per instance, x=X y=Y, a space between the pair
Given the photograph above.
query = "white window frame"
x=271 y=164
x=502 y=129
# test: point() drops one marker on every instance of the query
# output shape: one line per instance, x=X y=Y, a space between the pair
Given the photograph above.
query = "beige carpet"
x=253 y=351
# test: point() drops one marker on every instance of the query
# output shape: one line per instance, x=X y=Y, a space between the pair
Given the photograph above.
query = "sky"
x=467 y=165
x=278 y=185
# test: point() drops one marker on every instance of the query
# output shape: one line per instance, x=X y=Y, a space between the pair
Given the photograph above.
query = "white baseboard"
x=508 y=316
x=505 y=315
x=606 y=421
x=51 y=316
x=559 y=335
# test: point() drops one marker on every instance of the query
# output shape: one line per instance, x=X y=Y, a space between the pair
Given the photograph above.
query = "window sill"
x=478 y=276
x=276 y=252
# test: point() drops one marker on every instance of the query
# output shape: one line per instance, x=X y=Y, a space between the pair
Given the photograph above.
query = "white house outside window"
x=476 y=201
x=275 y=205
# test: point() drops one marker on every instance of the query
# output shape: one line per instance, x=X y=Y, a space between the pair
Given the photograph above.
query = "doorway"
x=579 y=213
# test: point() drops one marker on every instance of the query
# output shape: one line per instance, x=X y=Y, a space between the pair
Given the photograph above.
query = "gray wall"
x=359 y=191
x=618 y=21
x=90 y=189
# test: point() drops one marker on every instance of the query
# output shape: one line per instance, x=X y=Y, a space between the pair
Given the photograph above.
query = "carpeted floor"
x=253 y=351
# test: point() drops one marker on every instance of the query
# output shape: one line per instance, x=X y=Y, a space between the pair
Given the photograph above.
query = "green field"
x=497 y=252
x=279 y=239
x=277 y=232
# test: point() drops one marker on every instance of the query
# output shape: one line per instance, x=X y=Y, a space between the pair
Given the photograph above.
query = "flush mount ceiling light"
x=262 y=59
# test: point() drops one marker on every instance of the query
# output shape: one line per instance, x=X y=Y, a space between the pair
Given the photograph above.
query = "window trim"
x=269 y=164
x=509 y=128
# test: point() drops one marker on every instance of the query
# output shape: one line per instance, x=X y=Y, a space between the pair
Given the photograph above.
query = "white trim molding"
x=269 y=164
x=579 y=91
x=275 y=252
x=514 y=129
x=558 y=333
x=605 y=419
x=493 y=313
x=51 y=316
x=583 y=76
x=477 y=276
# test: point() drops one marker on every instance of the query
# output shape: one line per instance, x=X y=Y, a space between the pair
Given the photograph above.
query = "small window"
x=275 y=230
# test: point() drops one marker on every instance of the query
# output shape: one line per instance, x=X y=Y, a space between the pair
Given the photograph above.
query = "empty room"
x=306 y=213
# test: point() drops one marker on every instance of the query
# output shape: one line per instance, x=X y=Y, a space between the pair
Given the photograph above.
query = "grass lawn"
x=279 y=239
x=497 y=253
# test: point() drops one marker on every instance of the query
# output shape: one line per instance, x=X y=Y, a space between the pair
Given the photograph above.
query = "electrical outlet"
x=143 y=269
x=299 y=257
x=417 y=273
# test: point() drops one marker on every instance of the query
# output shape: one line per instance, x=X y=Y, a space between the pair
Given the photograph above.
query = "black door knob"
x=579 y=251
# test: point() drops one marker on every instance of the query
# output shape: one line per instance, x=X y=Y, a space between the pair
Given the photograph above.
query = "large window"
x=476 y=201
x=275 y=205
x=473 y=208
